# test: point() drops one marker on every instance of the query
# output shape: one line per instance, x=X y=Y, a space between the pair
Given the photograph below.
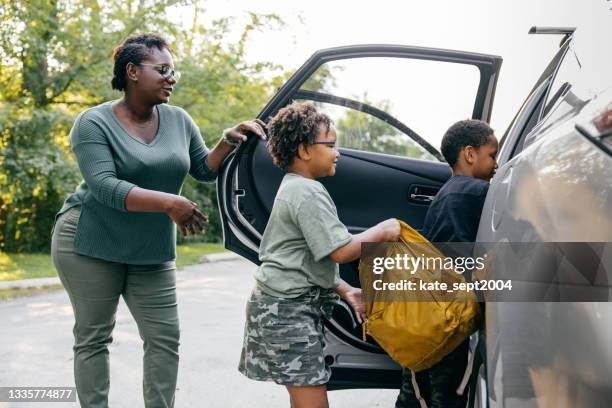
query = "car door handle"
x=422 y=194
x=424 y=198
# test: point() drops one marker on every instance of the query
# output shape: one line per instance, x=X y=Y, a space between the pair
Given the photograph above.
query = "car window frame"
x=512 y=143
x=373 y=111
x=523 y=122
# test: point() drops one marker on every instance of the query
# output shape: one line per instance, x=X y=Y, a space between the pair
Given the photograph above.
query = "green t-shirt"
x=112 y=162
x=302 y=231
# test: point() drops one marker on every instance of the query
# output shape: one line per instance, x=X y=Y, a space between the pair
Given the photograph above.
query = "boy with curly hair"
x=297 y=283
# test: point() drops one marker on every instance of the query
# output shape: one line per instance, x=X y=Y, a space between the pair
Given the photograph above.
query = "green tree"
x=323 y=79
x=55 y=62
x=362 y=131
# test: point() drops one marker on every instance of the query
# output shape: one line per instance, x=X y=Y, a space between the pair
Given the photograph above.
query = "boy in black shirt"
x=470 y=147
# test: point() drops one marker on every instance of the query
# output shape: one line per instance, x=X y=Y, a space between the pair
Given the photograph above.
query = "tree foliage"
x=56 y=61
x=362 y=131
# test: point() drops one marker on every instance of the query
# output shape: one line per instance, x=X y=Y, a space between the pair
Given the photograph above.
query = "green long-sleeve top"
x=112 y=162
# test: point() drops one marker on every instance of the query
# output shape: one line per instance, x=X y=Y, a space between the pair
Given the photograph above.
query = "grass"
x=190 y=254
x=29 y=266
x=12 y=293
x=25 y=266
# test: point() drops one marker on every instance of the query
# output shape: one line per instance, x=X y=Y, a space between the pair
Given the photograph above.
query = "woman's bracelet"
x=227 y=141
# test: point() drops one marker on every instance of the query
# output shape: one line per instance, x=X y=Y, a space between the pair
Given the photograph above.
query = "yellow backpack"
x=417 y=335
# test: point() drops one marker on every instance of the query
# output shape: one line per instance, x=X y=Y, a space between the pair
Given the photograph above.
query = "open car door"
x=390 y=105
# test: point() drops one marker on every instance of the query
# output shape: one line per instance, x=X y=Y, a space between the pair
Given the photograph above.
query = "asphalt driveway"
x=36 y=341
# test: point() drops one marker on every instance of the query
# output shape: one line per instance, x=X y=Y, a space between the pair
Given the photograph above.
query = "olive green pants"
x=94 y=287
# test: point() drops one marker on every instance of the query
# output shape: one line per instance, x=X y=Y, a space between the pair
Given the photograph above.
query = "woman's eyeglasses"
x=164 y=70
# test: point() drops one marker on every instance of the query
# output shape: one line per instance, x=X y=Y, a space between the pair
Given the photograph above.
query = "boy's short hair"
x=470 y=132
x=293 y=125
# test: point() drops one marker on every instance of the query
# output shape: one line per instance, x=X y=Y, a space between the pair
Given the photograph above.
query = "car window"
x=566 y=107
x=533 y=108
x=565 y=78
x=570 y=91
x=425 y=96
x=523 y=123
x=362 y=131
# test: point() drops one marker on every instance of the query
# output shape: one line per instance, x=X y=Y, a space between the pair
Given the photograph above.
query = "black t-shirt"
x=454 y=213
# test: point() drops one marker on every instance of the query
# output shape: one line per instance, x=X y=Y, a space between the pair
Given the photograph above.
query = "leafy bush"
x=55 y=61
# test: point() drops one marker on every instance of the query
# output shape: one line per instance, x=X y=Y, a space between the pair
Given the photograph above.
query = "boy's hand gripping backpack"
x=417 y=335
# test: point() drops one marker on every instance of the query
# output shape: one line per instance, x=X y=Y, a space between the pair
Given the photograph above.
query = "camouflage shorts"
x=283 y=338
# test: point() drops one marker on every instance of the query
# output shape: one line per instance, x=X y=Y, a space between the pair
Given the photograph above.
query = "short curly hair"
x=293 y=125
x=134 y=49
x=470 y=132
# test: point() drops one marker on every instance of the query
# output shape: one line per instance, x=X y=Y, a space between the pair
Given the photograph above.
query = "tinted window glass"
x=522 y=124
x=568 y=94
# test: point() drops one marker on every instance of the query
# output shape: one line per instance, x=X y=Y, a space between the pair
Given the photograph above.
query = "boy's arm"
x=388 y=230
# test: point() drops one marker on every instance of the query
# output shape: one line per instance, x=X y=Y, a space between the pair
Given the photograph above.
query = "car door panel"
x=384 y=181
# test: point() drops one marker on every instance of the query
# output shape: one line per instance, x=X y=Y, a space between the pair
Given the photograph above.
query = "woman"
x=115 y=235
